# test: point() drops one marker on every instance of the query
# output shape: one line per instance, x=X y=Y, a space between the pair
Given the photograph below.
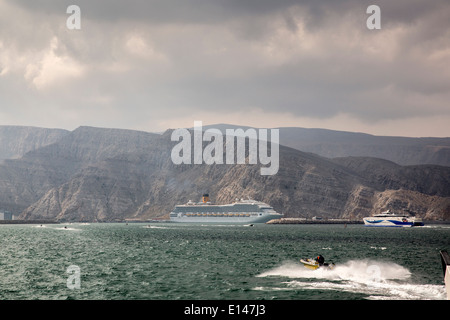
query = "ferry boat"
x=241 y=211
x=390 y=219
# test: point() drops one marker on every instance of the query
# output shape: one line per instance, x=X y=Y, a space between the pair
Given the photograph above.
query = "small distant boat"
x=316 y=263
x=390 y=219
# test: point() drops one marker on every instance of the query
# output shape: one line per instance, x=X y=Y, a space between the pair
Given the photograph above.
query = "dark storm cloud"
x=135 y=60
x=193 y=11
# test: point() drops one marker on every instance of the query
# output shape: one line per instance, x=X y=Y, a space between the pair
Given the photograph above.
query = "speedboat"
x=316 y=263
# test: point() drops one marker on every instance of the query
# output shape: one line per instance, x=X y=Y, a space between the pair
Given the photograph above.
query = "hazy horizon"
x=207 y=126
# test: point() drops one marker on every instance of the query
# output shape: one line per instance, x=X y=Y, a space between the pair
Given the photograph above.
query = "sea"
x=194 y=262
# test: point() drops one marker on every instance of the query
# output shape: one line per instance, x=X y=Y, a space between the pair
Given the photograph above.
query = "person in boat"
x=320 y=260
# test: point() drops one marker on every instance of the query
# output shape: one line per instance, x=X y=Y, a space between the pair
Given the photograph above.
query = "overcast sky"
x=153 y=65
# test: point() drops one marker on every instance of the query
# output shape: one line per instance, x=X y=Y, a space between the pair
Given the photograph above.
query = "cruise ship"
x=390 y=219
x=241 y=211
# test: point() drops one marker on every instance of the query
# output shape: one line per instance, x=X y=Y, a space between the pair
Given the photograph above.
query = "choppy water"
x=176 y=261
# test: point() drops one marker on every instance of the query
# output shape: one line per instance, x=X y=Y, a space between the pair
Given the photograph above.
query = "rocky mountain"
x=95 y=174
x=24 y=181
x=384 y=174
x=332 y=144
x=15 y=141
x=422 y=190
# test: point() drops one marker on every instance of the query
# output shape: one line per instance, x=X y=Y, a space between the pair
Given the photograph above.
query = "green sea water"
x=228 y=262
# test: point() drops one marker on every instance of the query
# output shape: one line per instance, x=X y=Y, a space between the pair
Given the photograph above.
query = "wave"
x=376 y=279
x=67 y=229
x=355 y=270
x=156 y=227
x=436 y=226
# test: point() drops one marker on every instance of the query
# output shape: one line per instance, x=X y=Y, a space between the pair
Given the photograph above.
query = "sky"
x=152 y=65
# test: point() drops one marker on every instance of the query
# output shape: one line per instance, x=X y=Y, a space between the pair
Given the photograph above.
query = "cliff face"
x=401 y=150
x=94 y=174
x=332 y=144
x=15 y=141
x=426 y=179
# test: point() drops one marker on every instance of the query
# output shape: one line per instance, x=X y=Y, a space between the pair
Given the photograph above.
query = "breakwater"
x=313 y=221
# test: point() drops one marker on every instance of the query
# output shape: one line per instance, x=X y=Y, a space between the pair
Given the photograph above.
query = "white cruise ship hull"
x=225 y=219
x=244 y=211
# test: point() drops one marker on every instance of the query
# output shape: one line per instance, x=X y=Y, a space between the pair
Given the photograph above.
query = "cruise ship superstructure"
x=390 y=219
x=241 y=211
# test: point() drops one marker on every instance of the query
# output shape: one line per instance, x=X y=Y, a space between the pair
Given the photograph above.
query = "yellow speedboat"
x=310 y=263
x=316 y=263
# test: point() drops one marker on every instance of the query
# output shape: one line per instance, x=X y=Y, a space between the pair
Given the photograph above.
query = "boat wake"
x=67 y=229
x=375 y=279
x=156 y=227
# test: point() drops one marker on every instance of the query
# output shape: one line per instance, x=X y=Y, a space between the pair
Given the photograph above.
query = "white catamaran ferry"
x=241 y=211
x=390 y=219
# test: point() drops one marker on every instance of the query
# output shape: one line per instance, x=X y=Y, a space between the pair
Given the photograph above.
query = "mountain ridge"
x=15 y=141
x=101 y=174
x=334 y=143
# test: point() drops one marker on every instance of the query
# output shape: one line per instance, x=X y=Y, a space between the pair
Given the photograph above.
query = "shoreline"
x=311 y=221
x=335 y=221
x=274 y=221
x=29 y=222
